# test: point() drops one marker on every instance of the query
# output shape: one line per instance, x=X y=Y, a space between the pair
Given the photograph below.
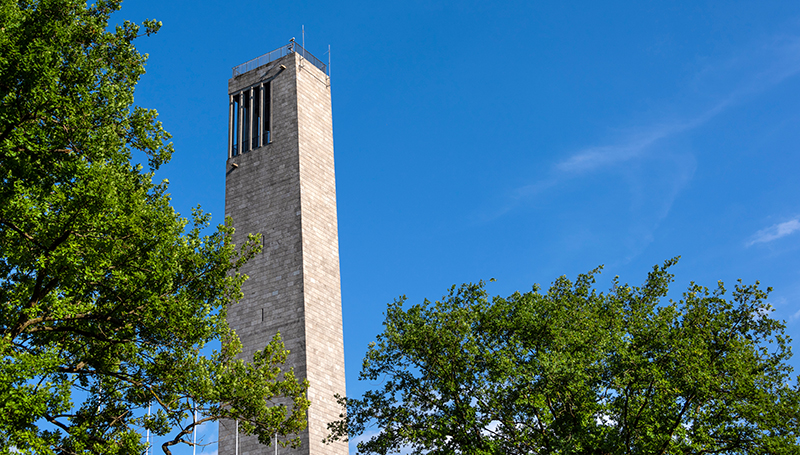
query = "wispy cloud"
x=758 y=68
x=595 y=157
x=651 y=158
x=775 y=232
x=634 y=145
x=755 y=70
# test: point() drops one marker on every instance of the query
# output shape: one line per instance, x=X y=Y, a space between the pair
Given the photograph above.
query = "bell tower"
x=280 y=182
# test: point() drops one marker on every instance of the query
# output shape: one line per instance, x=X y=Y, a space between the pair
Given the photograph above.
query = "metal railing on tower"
x=271 y=56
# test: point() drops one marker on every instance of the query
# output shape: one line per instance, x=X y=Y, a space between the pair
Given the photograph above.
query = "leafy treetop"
x=106 y=296
x=574 y=371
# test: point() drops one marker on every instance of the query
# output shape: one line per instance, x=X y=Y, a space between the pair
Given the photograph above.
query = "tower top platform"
x=271 y=56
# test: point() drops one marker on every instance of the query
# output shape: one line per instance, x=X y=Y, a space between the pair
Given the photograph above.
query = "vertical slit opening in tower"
x=235 y=125
x=256 y=116
x=267 y=104
x=245 y=121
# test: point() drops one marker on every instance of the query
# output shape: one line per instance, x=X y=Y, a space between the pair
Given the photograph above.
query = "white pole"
x=194 y=432
x=147 y=450
x=276 y=443
x=237 y=437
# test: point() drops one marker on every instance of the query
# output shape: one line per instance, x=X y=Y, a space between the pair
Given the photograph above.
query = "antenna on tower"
x=302 y=44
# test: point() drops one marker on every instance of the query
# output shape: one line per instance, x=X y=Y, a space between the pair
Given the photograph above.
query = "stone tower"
x=280 y=182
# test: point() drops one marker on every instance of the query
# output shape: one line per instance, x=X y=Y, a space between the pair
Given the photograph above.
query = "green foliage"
x=574 y=371
x=106 y=296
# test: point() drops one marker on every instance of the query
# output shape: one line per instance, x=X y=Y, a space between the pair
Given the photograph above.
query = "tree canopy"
x=575 y=371
x=107 y=295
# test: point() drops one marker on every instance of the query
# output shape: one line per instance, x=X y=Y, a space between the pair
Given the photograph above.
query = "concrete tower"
x=280 y=182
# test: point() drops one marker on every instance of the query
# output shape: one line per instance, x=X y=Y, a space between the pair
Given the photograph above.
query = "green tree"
x=106 y=295
x=574 y=371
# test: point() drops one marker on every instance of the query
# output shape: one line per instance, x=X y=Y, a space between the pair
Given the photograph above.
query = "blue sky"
x=517 y=140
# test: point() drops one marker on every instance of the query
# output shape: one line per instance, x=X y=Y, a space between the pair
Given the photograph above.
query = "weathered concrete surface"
x=286 y=191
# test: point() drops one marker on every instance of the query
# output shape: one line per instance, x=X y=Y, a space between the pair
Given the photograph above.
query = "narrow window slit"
x=235 y=124
x=245 y=121
x=256 y=117
x=267 y=105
